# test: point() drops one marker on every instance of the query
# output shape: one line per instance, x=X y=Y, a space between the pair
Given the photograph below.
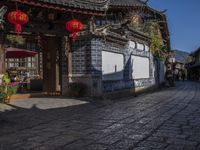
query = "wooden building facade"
x=194 y=66
x=109 y=55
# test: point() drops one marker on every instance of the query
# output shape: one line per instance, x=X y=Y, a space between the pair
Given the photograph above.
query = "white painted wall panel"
x=112 y=65
x=140 y=67
x=132 y=44
x=140 y=46
x=146 y=48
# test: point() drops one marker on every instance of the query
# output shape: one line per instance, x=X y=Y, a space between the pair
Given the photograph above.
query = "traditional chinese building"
x=111 y=53
x=194 y=65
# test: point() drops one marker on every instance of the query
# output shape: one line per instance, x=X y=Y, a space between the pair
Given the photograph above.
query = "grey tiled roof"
x=126 y=3
x=94 y=5
x=99 y=5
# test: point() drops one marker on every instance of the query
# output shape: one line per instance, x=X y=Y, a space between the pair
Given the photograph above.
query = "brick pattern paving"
x=167 y=120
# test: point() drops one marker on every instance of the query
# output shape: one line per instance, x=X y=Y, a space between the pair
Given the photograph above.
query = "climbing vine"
x=152 y=29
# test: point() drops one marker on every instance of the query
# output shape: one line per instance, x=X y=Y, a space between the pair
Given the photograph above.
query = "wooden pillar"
x=2 y=53
x=69 y=57
x=66 y=65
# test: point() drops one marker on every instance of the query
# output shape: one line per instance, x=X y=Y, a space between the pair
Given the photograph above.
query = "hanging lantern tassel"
x=74 y=26
x=74 y=36
x=18 y=29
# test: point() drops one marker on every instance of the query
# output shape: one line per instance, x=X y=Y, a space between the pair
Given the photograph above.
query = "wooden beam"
x=2 y=53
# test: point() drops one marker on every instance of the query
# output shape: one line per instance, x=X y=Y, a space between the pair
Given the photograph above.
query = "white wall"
x=140 y=46
x=112 y=65
x=146 y=48
x=140 y=67
x=131 y=44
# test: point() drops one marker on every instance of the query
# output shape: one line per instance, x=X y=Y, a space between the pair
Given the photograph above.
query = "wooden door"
x=51 y=65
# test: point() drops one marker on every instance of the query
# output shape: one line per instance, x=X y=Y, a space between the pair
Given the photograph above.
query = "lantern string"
x=74 y=36
x=16 y=4
x=72 y=15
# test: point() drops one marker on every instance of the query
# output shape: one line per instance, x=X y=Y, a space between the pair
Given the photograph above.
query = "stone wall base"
x=93 y=85
x=129 y=92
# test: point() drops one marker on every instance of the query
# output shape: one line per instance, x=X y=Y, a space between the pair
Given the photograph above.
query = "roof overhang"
x=87 y=7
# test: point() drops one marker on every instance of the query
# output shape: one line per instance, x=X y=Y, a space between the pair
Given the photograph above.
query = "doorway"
x=36 y=69
x=51 y=65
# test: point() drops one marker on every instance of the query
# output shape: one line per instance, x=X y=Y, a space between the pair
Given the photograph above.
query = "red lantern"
x=74 y=26
x=18 y=18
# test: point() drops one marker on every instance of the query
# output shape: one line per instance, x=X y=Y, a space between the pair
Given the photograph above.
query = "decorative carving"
x=91 y=25
x=3 y=10
x=126 y=23
x=144 y=82
x=102 y=30
x=113 y=85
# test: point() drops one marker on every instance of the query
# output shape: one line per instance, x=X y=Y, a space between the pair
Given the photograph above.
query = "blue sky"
x=183 y=20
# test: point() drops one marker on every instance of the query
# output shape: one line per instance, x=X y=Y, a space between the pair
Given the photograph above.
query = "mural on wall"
x=112 y=66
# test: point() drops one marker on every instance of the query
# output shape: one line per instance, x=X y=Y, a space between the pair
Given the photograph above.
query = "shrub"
x=2 y=94
x=7 y=90
x=12 y=89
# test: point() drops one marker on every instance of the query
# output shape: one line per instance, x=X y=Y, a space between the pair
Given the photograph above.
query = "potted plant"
x=2 y=94
x=7 y=89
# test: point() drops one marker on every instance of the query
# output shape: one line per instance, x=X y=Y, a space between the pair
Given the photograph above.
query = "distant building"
x=180 y=59
x=180 y=62
x=194 y=66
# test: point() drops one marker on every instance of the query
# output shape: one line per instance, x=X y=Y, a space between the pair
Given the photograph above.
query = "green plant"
x=14 y=39
x=2 y=94
x=6 y=78
x=7 y=89
x=12 y=89
x=152 y=29
x=155 y=45
x=6 y=81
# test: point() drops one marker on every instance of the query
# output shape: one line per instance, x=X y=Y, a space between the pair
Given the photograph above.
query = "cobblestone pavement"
x=168 y=120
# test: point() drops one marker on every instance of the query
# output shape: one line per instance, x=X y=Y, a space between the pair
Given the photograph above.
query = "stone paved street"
x=168 y=119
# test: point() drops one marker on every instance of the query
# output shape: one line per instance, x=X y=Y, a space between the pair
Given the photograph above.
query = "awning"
x=19 y=53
